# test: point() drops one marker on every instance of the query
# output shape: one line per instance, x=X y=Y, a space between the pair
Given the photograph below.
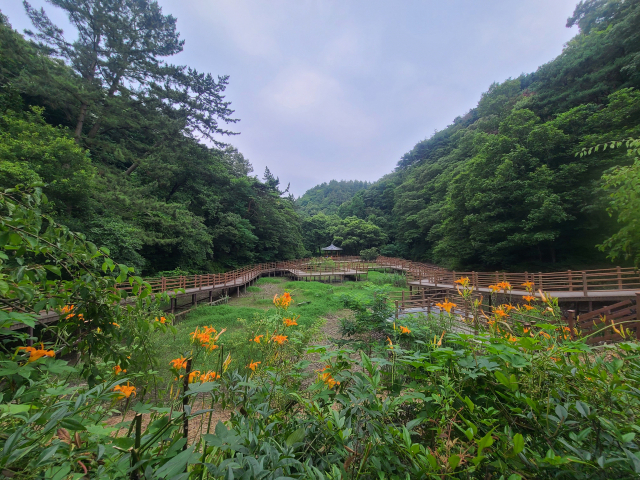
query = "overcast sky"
x=335 y=89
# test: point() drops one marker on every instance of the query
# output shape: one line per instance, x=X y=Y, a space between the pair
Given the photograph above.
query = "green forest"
x=117 y=134
x=135 y=153
x=502 y=187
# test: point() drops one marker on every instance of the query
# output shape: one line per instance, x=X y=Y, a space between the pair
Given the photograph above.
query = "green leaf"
x=46 y=454
x=176 y=465
x=518 y=443
x=72 y=424
x=53 y=269
x=296 y=436
x=454 y=461
x=485 y=442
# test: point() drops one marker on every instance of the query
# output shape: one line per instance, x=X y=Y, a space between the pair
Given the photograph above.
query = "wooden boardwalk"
x=610 y=284
x=614 y=284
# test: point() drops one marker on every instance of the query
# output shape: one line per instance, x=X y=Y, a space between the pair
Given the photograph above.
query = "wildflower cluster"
x=125 y=390
x=282 y=301
x=36 y=353
x=446 y=306
x=206 y=337
x=68 y=312
x=326 y=377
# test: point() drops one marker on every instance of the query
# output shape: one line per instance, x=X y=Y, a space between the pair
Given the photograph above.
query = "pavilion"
x=332 y=250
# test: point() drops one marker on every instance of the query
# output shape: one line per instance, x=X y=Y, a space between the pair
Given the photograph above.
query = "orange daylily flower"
x=464 y=281
x=529 y=298
x=118 y=370
x=36 y=353
x=179 y=363
x=193 y=375
x=282 y=301
x=279 y=339
x=404 y=330
x=326 y=377
x=390 y=343
x=161 y=320
x=257 y=339
x=528 y=307
x=528 y=286
x=253 y=365
x=290 y=322
x=447 y=306
x=209 y=377
x=125 y=390
x=509 y=307
x=115 y=324
x=505 y=286
x=499 y=312
x=206 y=336
x=494 y=288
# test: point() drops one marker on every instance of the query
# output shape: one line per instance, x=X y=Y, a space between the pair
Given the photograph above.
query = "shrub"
x=369 y=254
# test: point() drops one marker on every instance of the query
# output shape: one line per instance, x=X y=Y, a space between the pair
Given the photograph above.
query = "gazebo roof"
x=332 y=248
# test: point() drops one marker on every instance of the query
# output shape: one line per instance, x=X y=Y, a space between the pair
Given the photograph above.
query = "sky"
x=335 y=89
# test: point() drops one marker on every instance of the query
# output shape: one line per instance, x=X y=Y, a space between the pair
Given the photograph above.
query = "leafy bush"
x=369 y=254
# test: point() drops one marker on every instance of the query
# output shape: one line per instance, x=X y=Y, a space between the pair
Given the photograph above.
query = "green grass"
x=311 y=302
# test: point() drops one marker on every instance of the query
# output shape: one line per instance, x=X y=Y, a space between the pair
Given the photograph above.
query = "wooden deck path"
x=585 y=285
x=614 y=284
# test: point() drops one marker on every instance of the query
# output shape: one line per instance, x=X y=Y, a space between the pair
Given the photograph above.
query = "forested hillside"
x=501 y=187
x=327 y=197
x=135 y=154
x=132 y=149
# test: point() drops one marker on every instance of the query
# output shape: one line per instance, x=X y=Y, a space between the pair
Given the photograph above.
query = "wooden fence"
x=609 y=324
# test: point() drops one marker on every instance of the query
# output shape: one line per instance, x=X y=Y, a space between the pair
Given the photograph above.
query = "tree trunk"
x=81 y=117
x=131 y=169
x=112 y=91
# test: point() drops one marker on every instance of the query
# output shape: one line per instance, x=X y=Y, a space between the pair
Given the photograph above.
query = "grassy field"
x=312 y=302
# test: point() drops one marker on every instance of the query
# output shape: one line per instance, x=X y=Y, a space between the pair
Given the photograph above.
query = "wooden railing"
x=617 y=278
x=609 y=324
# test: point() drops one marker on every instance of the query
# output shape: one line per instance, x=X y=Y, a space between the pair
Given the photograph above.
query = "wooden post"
x=164 y=284
x=540 y=281
x=396 y=310
x=638 y=309
x=619 y=278
x=402 y=298
x=172 y=303
x=570 y=281
x=571 y=322
x=584 y=283
x=185 y=402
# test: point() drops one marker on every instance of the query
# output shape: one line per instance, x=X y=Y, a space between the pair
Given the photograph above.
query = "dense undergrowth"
x=509 y=392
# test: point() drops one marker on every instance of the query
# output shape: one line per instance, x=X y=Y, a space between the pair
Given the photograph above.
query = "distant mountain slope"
x=327 y=197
